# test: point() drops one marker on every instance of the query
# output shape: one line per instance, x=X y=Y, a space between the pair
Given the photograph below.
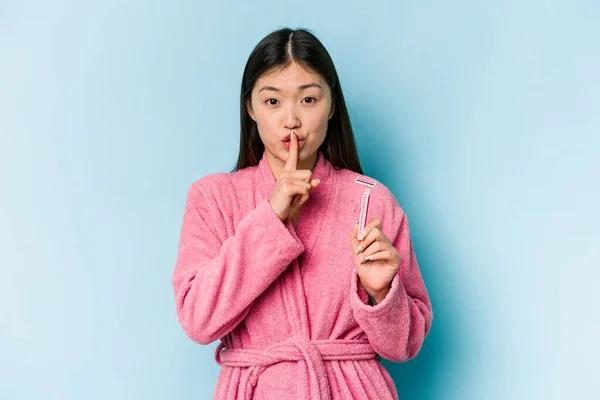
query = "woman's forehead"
x=293 y=77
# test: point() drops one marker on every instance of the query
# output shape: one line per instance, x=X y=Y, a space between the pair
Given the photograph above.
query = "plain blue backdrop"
x=482 y=118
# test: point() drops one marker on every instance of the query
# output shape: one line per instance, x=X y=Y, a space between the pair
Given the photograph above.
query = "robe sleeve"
x=398 y=325
x=216 y=281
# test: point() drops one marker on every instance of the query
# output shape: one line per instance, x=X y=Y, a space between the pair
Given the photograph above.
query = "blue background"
x=482 y=118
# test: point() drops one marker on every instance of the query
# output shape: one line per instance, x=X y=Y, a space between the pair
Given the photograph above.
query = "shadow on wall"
x=428 y=375
x=432 y=372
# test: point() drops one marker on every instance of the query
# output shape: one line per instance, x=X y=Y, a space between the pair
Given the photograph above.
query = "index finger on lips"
x=292 y=160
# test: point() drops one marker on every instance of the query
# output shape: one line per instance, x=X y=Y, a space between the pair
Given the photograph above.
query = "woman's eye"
x=273 y=102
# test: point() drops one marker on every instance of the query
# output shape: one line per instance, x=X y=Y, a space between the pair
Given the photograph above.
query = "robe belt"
x=297 y=348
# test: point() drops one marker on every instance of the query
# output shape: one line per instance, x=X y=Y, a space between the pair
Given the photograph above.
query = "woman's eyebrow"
x=302 y=87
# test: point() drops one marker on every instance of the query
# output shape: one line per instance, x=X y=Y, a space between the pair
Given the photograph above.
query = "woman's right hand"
x=293 y=186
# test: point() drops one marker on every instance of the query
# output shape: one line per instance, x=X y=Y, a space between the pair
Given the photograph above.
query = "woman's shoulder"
x=210 y=184
x=221 y=184
x=382 y=203
x=352 y=182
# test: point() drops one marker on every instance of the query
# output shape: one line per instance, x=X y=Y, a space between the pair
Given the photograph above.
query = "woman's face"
x=291 y=99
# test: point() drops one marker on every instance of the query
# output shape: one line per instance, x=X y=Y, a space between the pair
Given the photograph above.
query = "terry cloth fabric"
x=285 y=302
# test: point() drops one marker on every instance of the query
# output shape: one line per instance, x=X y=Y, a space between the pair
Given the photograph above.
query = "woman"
x=269 y=260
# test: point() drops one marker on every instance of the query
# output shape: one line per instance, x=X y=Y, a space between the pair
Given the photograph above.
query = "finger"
x=298 y=202
x=304 y=198
x=367 y=241
x=294 y=190
x=374 y=247
x=386 y=254
x=303 y=182
x=300 y=176
x=314 y=183
x=295 y=200
x=380 y=255
x=372 y=233
x=374 y=223
x=309 y=186
x=292 y=160
x=295 y=205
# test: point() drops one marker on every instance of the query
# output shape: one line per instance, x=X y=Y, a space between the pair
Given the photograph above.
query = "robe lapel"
x=309 y=225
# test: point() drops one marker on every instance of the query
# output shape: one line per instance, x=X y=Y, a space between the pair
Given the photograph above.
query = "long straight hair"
x=275 y=52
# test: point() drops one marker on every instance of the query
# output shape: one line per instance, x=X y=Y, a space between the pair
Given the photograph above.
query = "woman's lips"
x=288 y=138
x=300 y=144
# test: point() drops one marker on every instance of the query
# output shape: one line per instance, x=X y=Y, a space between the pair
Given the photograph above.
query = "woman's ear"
x=332 y=110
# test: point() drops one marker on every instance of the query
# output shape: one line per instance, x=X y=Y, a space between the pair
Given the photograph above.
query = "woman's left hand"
x=376 y=261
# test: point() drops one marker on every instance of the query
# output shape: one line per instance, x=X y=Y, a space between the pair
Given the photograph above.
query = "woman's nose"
x=291 y=118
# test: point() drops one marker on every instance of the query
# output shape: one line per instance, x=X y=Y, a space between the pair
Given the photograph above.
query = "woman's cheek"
x=319 y=125
x=268 y=129
x=316 y=121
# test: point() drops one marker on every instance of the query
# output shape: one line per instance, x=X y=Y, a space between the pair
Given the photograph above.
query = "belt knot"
x=296 y=348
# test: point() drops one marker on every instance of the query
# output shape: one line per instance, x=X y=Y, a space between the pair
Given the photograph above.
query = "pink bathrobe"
x=286 y=303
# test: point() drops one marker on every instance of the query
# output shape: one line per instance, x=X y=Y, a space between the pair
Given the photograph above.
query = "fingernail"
x=357 y=221
x=318 y=180
x=358 y=249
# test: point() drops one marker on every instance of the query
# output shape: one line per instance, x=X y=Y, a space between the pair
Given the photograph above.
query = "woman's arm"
x=398 y=325
x=215 y=282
